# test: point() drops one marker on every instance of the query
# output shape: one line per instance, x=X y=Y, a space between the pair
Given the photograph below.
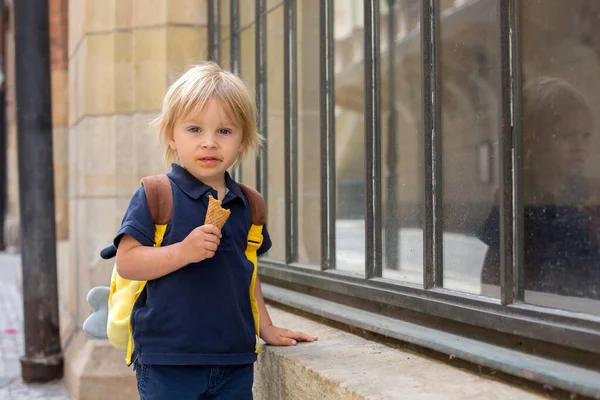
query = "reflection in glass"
x=349 y=136
x=469 y=94
x=402 y=164
x=560 y=158
x=247 y=73
x=309 y=135
x=275 y=133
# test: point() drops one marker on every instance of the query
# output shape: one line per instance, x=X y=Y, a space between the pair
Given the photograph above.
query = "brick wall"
x=58 y=34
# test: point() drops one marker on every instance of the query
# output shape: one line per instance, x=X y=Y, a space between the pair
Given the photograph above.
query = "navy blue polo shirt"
x=201 y=313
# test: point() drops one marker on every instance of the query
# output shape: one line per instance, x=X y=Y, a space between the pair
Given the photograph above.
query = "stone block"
x=93 y=369
x=186 y=46
x=61 y=179
x=148 y=150
x=74 y=159
x=150 y=66
x=148 y=13
x=60 y=97
x=124 y=14
x=189 y=12
x=99 y=16
x=97 y=76
x=96 y=157
x=126 y=179
x=76 y=23
x=343 y=366
x=74 y=99
x=124 y=83
x=94 y=227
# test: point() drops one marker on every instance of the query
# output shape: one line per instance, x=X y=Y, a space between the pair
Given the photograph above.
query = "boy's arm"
x=272 y=334
x=144 y=263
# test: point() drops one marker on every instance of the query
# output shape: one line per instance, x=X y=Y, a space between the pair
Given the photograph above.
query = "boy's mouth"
x=208 y=161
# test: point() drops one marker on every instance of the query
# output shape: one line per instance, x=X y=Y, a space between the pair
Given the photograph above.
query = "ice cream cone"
x=215 y=214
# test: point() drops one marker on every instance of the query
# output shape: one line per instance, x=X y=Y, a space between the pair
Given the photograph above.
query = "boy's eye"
x=194 y=129
x=224 y=131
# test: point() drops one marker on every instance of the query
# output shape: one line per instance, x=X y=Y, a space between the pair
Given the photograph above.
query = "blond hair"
x=192 y=90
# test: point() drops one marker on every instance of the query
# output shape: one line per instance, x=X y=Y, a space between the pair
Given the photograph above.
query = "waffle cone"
x=215 y=214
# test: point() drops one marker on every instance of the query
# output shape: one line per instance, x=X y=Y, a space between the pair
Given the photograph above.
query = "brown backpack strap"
x=159 y=195
x=258 y=208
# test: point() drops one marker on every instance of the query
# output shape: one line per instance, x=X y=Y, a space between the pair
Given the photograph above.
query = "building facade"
x=431 y=163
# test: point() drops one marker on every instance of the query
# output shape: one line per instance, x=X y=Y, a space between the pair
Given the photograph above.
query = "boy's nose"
x=209 y=141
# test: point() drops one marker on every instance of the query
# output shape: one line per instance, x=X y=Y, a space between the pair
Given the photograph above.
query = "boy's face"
x=568 y=147
x=208 y=142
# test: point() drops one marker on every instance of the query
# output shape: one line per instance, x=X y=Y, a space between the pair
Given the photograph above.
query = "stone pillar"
x=123 y=55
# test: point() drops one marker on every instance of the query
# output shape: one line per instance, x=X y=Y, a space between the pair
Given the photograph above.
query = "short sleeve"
x=266 y=244
x=489 y=232
x=137 y=221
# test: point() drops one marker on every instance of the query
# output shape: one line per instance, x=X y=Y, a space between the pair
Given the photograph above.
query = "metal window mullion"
x=235 y=55
x=291 y=130
x=510 y=149
x=261 y=94
x=234 y=35
x=392 y=223
x=433 y=272
x=214 y=30
x=327 y=104
x=373 y=227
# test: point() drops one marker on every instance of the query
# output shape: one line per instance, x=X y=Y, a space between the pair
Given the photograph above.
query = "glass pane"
x=402 y=143
x=247 y=67
x=225 y=17
x=225 y=54
x=469 y=95
x=275 y=134
x=309 y=135
x=247 y=11
x=349 y=136
x=561 y=96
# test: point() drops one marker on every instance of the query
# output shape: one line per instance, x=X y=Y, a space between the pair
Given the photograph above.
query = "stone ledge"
x=339 y=366
x=533 y=371
x=345 y=366
x=94 y=370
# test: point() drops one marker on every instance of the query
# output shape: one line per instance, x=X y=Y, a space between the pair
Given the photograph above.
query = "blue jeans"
x=194 y=382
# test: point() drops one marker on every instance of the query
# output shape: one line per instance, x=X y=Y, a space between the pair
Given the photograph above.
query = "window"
x=435 y=160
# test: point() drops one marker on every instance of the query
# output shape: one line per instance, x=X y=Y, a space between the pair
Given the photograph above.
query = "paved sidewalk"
x=11 y=341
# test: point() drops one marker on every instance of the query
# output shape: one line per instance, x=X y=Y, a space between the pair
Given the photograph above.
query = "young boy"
x=193 y=329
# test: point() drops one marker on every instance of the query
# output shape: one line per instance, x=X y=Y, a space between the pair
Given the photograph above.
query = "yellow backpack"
x=124 y=293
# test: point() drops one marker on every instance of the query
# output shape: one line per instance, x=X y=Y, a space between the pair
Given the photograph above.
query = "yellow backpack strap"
x=258 y=216
x=159 y=196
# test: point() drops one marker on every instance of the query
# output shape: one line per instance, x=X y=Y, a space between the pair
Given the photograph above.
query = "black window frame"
x=508 y=315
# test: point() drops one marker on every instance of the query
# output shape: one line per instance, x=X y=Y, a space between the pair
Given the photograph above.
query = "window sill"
x=544 y=371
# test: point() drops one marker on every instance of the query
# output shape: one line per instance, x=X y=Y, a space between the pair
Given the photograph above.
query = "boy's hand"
x=201 y=243
x=276 y=336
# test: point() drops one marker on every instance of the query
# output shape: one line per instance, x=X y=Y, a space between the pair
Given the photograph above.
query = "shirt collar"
x=195 y=188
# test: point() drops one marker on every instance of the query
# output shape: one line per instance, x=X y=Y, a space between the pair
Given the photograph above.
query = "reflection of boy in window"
x=561 y=205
